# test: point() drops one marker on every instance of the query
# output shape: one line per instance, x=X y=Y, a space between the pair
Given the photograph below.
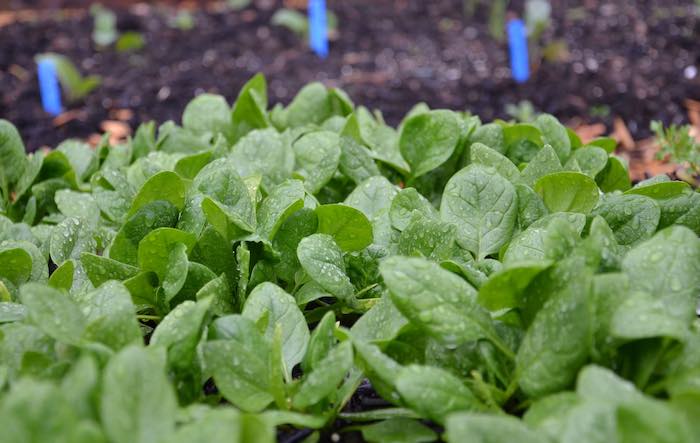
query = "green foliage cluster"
x=247 y=270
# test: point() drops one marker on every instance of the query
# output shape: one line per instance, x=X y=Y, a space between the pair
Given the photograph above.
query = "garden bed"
x=309 y=273
x=634 y=60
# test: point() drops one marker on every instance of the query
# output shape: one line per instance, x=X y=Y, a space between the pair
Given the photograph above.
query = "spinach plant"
x=249 y=270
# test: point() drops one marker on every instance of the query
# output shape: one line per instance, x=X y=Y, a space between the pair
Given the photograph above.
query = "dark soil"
x=633 y=59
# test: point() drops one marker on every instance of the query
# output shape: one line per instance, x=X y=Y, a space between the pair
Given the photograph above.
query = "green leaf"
x=480 y=428
x=157 y=214
x=263 y=152
x=180 y=331
x=240 y=369
x=207 y=113
x=155 y=249
x=282 y=202
x=53 y=312
x=568 y=192
x=356 y=161
x=592 y=160
x=70 y=238
x=164 y=185
x=434 y=393
x=643 y=316
x=556 y=344
x=398 y=430
x=382 y=323
x=317 y=157
x=504 y=288
x=321 y=341
x=100 y=269
x=12 y=157
x=667 y=266
x=15 y=265
x=530 y=206
x=405 y=203
x=485 y=156
x=543 y=163
x=427 y=237
x=348 y=226
x=530 y=243
x=428 y=139
x=322 y=259
x=272 y=302
x=324 y=379
x=555 y=135
x=436 y=300
x=373 y=197
x=484 y=207
x=491 y=135
x=249 y=110
x=110 y=315
x=79 y=205
x=632 y=218
x=137 y=401
x=614 y=177
x=310 y=106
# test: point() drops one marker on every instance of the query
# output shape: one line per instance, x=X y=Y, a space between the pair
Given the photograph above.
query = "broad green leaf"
x=301 y=224
x=614 y=177
x=555 y=135
x=643 y=316
x=321 y=341
x=428 y=139
x=271 y=301
x=568 y=192
x=436 y=300
x=180 y=332
x=137 y=402
x=101 y=269
x=543 y=163
x=356 y=161
x=110 y=315
x=486 y=156
x=434 y=393
x=322 y=259
x=215 y=426
x=382 y=323
x=324 y=379
x=348 y=226
x=530 y=243
x=556 y=344
x=157 y=214
x=15 y=265
x=481 y=428
x=70 y=238
x=207 y=113
x=53 y=312
x=263 y=152
x=310 y=105
x=483 y=205
x=12 y=156
x=240 y=369
x=504 y=288
x=632 y=218
x=491 y=135
x=155 y=249
x=249 y=110
x=523 y=141
x=282 y=202
x=592 y=160
x=164 y=185
x=79 y=205
x=373 y=197
x=403 y=205
x=667 y=266
x=317 y=156
x=530 y=206
x=427 y=237
x=660 y=190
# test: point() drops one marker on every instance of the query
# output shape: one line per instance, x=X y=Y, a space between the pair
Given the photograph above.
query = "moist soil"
x=637 y=60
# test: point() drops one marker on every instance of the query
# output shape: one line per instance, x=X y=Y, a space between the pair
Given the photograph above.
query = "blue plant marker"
x=519 y=58
x=318 y=27
x=48 y=85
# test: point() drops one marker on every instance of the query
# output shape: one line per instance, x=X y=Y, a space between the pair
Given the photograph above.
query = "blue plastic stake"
x=48 y=85
x=517 y=43
x=318 y=27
